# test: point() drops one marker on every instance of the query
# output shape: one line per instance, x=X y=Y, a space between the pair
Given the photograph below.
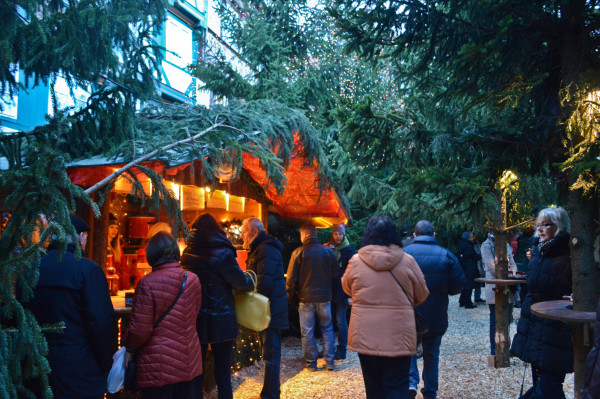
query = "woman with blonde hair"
x=546 y=344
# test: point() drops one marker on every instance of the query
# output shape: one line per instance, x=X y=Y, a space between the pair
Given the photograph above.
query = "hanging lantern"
x=226 y=173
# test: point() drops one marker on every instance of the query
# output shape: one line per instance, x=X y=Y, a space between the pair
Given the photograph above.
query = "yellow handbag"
x=252 y=309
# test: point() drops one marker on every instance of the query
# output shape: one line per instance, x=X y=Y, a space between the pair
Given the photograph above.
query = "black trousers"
x=385 y=377
x=183 y=390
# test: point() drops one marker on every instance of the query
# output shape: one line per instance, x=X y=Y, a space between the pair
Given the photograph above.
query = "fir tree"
x=533 y=63
x=84 y=41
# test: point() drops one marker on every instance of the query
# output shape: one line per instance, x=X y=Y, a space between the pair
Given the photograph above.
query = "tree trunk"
x=586 y=274
x=502 y=336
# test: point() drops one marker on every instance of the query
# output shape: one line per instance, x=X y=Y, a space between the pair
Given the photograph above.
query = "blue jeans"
x=431 y=360
x=271 y=353
x=341 y=320
x=222 y=354
x=307 y=313
x=493 y=326
x=385 y=377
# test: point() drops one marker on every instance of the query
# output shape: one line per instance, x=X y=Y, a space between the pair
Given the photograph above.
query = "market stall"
x=230 y=198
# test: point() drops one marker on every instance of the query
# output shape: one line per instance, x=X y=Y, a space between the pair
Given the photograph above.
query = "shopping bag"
x=116 y=376
x=252 y=309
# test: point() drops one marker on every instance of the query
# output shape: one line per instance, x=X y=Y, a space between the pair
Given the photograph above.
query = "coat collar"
x=168 y=265
x=425 y=240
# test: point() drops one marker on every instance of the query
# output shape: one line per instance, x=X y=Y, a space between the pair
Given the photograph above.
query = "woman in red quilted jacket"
x=167 y=348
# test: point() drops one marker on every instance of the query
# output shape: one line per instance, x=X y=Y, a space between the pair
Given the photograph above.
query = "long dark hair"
x=161 y=249
x=381 y=230
x=204 y=226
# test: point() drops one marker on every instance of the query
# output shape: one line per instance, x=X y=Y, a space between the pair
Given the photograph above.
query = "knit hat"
x=112 y=220
x=79 y=224
x=338 y=227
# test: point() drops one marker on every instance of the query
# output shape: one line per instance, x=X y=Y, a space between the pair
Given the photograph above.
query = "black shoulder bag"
x=129 y=384
x=420 y=322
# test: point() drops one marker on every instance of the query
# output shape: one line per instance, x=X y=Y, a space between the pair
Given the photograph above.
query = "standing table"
x=580 y=321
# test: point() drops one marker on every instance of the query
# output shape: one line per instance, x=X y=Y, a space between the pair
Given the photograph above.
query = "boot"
x=340 y=353
x=528 y=394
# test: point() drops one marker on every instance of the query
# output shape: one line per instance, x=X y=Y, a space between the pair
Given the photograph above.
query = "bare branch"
x=143 y=158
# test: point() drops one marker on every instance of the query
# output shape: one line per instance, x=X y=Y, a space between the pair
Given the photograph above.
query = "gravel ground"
x=464 y=373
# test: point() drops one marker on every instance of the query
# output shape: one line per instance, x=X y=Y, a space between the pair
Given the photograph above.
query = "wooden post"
x=502 y=336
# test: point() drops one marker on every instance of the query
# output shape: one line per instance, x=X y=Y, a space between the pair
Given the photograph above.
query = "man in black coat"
x=75 y=291
x=265 y=260
x=343 y=252
x=312 y=276
x=444 y=277
x=468 y=260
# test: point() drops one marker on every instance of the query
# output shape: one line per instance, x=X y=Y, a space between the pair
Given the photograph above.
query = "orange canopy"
x=302 y=197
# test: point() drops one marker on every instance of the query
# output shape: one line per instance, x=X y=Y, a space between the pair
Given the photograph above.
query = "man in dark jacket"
x=343 y=252
x=265 y=260
x=312 y=276
x=75 y=291
x=444 y=277
x=468 y=258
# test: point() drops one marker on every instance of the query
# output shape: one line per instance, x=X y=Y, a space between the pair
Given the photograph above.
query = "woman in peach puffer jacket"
x=382 y=323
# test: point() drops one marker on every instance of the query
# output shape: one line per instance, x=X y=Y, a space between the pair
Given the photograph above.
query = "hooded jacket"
x=382 y=322
x=212 y=258
x=265 y=260
x=169 y=353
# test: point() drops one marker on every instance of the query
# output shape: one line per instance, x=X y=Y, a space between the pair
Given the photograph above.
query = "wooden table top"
x=563 y=311
x=499 y=281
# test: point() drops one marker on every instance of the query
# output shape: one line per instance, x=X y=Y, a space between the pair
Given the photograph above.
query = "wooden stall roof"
x=302 y=197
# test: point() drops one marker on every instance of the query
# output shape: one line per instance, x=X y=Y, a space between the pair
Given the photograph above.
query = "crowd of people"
x=186 y=304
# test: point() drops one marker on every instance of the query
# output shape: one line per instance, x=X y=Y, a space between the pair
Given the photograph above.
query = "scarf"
x=542 y=246
x=337 y=249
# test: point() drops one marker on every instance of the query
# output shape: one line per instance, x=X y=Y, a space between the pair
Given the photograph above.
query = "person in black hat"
x=75 y=291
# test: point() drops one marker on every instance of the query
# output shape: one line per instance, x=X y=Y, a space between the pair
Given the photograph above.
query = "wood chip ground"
x=464 y=373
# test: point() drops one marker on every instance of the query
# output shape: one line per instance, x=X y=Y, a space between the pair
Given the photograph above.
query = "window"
x=64 y=98
x=10 y=103
x=178 y=43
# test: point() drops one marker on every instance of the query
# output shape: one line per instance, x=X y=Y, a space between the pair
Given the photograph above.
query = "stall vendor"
x=114 y=249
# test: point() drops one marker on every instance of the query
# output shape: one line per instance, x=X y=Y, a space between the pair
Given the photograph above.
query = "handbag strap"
x=253 y=277
x=409 y=300
x=174 y=302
